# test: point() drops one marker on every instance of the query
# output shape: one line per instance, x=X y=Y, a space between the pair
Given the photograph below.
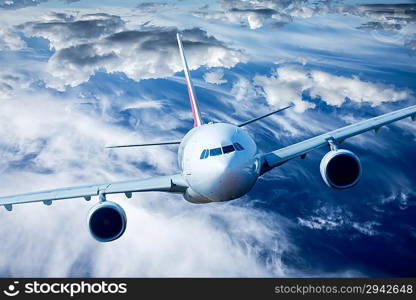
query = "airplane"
x=217 y=162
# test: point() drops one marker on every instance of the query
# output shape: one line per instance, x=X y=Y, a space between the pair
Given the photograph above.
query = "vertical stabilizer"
x=192 y=97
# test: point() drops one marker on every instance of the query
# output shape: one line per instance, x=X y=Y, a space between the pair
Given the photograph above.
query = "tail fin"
x=191 y=92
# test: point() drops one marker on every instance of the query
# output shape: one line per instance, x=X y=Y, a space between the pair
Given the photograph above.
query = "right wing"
x=172 y=184
x=263 y=116
x=280 y=156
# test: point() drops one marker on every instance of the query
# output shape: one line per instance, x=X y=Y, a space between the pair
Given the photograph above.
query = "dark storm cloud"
x=16 y=4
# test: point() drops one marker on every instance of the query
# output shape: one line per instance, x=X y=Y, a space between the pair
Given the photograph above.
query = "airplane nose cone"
x=229 y=181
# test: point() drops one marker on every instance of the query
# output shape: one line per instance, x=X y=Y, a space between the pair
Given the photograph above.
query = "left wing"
x=280 y=156
x=146 y=144
x=172 y=184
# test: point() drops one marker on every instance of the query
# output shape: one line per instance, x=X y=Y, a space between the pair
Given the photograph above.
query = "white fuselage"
x=226 y=170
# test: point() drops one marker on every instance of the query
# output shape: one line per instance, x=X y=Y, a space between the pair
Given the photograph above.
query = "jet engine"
x=340 y=169
x=107 y=221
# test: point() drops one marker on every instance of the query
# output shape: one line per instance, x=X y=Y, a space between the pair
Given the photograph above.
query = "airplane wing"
x=146 y=144
x=280 y=156
x=172 y=184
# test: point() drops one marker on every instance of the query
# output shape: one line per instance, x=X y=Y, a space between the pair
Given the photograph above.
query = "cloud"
x=330 y=218
x=9 y=40
x=96 y=42
x=252 y=14
x=153 y=7
x=289 y=83
x=12 y=80
x=391 y=23
x=16 y=4
x=215 y=77
x=389 y=13
x=63 y=30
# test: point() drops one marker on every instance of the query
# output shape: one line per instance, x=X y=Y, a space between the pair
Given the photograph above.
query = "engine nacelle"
x=107 y=221
x=340 y=169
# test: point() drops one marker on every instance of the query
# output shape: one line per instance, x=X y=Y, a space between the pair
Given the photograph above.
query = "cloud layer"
x=70 y=83
x=389 y=23
x=215 y=77
x=289 y=83
x=86 y=44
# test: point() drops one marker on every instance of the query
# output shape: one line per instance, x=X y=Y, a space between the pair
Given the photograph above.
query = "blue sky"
x=78 y=75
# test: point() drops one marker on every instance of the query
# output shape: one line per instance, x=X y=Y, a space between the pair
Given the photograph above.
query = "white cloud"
x=338 y=218
x=243 y=90
x=9 y=40
x=253 y=13
x=215 y=77
x=144 y=104
x=12 y=80
x=17 y=4
x=290 y=82
x=94 y=42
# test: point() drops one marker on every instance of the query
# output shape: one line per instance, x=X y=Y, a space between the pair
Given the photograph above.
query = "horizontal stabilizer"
x=264 y=116
x=147 y=144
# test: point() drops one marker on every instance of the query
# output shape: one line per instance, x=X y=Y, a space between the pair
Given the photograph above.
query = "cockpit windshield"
x=220 y=151
x=215 y=152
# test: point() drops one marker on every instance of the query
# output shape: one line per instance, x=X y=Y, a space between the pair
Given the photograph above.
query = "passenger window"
x=228 y=149
x=203 y=154
x=238 y=147
x=215 y=152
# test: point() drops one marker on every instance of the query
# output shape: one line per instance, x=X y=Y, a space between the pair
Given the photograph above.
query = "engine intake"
x=107 y=221
x=340 y=169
